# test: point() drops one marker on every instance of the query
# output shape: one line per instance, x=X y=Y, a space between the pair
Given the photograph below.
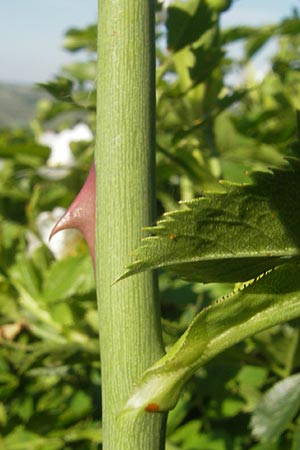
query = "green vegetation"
x=227 y=255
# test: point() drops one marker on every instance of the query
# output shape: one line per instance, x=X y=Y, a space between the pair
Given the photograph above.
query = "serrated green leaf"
x=276 y=409
x=229 y=236
x=272 y=299
x=61 y=88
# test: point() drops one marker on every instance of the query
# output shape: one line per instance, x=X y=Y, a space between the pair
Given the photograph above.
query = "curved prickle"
x=81 y=213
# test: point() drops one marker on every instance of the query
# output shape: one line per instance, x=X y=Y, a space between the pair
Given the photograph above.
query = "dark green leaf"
x=205 y=61
x=229 y=236
x=61 y=89
x=30 y=150
x=290 y=26
x=187 y=22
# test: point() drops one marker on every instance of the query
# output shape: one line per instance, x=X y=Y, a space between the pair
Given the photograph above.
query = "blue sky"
x=32 y=31
x=31 y=36
x=258 y=12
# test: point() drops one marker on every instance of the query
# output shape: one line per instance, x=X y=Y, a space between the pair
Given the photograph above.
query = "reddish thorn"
x=81 y=213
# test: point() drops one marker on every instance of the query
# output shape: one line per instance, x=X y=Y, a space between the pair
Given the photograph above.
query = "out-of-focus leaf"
x=23 y=439
x=50 y=111
x=77 y=39
x=12 y=150
x=186 y=22
x=62 y=313
x=267 y=446
x=205 y=61
x=289 y=26
x=85 y=100
x=61 y=89
x=81 y=71
x=191 y=436
x=236 y=33
x=25 y=274
x=176 y=416
x=80 y=406
x=296 y=438
x=219 y=5
x=83 y=432
x=257 y=40
x=188 y=434
x=252 y=376
x=280 y=347
x=3 y=416
x=67 y=277
x=10 y=232
x=24 y=407
x=222 y=103
x=276 y=409
x=8 y=384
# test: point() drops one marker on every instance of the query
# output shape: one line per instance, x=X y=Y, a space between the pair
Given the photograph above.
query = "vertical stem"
x=129 y=320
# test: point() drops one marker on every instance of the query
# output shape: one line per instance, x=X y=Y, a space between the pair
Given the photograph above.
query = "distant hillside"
x=17 y=104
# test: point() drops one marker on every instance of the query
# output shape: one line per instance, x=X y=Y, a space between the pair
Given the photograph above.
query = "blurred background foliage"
x=215 y=119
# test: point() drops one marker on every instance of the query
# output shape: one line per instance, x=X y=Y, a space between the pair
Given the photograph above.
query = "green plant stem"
x=129 y=320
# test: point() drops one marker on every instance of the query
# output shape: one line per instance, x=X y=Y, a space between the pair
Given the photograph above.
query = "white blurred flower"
x=61 y=157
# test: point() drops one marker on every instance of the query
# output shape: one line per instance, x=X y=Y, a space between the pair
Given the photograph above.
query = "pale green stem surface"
x=129 y=320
